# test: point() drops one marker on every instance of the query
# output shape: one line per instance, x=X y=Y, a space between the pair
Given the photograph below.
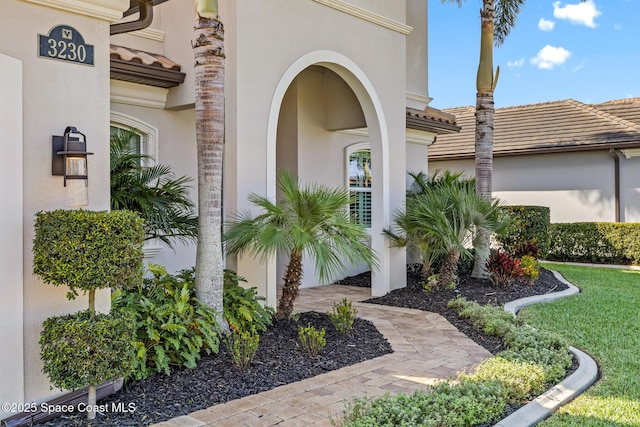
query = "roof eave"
x=144 y=74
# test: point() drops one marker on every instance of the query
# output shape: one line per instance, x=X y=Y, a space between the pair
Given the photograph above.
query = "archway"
x=378 y=138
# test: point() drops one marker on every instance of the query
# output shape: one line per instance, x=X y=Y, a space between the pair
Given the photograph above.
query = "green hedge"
x=78 y=350
x=528 y=223
x=597 y=242
x=88 y=250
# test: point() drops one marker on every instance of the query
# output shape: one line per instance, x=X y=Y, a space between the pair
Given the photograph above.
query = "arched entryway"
x=303 y=133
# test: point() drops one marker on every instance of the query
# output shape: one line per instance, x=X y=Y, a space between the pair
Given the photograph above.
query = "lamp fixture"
x=69 y=160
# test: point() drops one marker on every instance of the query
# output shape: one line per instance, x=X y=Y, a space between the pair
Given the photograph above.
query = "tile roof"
x=142 y=67
x=557 y=126
x=432 y=120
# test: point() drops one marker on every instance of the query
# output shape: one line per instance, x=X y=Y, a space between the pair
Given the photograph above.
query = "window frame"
x=349 y=150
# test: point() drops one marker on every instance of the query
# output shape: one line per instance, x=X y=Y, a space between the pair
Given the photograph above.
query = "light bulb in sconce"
x=70 y=161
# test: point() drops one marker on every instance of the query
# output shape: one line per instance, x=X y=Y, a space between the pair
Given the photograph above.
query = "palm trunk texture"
x=292 y=280
x=448 y=270
x=208 y=48
x=485 y=109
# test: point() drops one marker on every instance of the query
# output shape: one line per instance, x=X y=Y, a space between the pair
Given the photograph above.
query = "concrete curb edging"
x=548 y=402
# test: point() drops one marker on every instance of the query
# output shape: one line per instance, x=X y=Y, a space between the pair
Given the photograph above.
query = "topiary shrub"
x=78 y=350
x=528 y=224
x=87 y=250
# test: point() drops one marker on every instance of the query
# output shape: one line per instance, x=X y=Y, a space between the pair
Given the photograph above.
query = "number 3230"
x=61 y=49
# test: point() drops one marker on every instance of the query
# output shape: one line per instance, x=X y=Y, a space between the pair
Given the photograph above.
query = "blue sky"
x=587 y=51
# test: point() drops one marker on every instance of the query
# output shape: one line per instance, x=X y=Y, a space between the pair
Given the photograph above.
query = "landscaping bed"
x=278 y=361
x=478 y=290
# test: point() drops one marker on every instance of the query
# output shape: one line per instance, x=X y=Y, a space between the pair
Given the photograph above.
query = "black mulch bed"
x=481 y=291
x=279 y=361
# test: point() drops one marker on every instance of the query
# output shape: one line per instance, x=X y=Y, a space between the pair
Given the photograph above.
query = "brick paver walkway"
x=426 y=347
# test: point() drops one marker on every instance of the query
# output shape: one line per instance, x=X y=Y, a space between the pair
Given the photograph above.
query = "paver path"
x=427 y=349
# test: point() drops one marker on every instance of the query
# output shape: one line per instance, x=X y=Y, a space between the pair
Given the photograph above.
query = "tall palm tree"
x=314 y=221
x=208 y=49
x=497 y=18
x=153 y=192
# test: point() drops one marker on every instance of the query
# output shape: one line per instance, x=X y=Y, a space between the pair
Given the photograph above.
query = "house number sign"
x=65 y=43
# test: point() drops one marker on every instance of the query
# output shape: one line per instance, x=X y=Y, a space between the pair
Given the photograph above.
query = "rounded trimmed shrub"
x=78 y=350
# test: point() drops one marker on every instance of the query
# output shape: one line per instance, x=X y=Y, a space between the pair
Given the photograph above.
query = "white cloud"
x=546 y=25
x=516 y=63
x=582 y=13
x=617 y=27
x=550 y=56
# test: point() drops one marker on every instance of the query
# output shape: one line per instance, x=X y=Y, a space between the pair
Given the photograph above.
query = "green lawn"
x=604 y=321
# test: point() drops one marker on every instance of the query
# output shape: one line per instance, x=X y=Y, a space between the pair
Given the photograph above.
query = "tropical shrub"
x=312 y=220
x=172 y=327
x=242 y=347
x=597 y=242
x=503 y=269
x=528 y=224
x=343 y=315
x=526 y=248
x=243 y=307
x=311 y=340
x=491 y=320
x=153 y=192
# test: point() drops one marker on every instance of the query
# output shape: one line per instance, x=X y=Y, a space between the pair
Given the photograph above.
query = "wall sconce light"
x=70 y=161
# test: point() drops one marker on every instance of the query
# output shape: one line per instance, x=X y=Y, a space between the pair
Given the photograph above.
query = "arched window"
x=360 y=182
x=145 y=140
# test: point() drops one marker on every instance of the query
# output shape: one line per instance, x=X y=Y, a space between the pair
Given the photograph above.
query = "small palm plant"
x=160 y=199
x=312 y=220
x=442 y=217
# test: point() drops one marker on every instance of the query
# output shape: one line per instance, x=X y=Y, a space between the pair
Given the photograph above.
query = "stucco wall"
x=56 y=94
x=270 y=61
x=576 y=186
x=11 y=221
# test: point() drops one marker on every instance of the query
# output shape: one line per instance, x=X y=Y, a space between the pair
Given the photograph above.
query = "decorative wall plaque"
x=65 y=43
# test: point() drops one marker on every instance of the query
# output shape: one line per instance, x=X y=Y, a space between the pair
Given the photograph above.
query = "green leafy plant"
x=173 y=327
x=312 y=220
x=243 y=307
x=343 y=315
x=242 y=347
x=503 y=269
x=311 y=340
x=86 y=251
x=153 y=192
x=78 y=350
x=491 y=320
x=467 y=404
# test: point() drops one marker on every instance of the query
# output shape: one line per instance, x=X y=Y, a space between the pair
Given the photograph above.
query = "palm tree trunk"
x=208 y=48
x=292 y=280
x=449 y=270
x=485 y=109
